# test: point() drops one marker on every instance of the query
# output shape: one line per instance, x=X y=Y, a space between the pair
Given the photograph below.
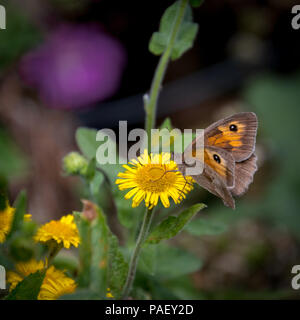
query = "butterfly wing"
x=211 y=182
x=244 y=172
x=235 y=134
x=222 y=163
x=218 y=174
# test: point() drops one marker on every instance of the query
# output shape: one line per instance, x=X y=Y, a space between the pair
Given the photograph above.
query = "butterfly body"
x=229 y=159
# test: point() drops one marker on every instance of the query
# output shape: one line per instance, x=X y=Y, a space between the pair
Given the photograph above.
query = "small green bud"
x=74 y=164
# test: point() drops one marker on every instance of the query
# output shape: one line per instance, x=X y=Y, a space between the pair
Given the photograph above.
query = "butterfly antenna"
x=166 y=171
x=182 y=191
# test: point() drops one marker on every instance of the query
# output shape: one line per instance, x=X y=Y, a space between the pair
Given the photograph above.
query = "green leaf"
x=185 y=35
x=96 y=184
x=126 y=214
x=184 y=288
x=200 y=227
x=185 y=39
x=148 y=260
x=86 y=141
x=20 y=205
x=174 y=262
x=171 y=226
x=117 y=267
x=99 y=258
x=29 y=288
x=85 y=250
x=158 y=43
x=91 y=169
x=196 y=3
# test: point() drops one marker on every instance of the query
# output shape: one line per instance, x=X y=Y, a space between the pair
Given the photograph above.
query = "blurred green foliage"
x=13 y=162
x=19 y=36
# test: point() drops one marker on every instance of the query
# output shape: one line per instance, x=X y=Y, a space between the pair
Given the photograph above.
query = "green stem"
x=151 y=102
x=54 y=248
x=136 y=252
x=150 y=108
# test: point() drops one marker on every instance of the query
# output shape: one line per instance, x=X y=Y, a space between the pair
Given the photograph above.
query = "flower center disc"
x=154 y=178
x=156 y=173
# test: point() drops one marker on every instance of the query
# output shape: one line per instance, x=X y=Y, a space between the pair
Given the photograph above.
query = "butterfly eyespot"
x=217 y=158
x=233 y=127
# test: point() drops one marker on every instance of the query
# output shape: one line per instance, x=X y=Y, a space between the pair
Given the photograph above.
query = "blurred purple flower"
x=76 y=66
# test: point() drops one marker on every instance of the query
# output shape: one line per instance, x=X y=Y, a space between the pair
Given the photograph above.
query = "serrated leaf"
x=29 y=288
x=117 y=267
x=171 y=226
x=185 y=35
x=200 y=227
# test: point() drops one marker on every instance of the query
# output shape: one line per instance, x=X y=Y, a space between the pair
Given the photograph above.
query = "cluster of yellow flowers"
x=150 y=178
x=64 y=232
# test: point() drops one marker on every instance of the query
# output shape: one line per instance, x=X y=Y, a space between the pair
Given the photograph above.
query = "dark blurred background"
x=65 y=64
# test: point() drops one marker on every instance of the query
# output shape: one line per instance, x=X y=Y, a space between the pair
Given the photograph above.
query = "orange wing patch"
x=220 y=168
x=229 y=137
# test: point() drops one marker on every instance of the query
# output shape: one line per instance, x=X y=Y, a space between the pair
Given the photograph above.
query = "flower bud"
x=74 y=164
x=89 y=210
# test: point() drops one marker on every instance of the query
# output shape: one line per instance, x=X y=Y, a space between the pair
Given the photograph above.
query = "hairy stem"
x=136 y=253
x=151 y=101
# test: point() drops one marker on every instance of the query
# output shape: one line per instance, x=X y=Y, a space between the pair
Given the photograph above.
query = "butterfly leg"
x=182 y=191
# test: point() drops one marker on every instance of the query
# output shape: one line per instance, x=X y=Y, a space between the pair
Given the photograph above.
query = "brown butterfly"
x=229 y=159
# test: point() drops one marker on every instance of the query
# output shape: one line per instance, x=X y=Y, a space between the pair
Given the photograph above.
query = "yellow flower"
x=63 y=231
x=55 y=283
x=150 y=178
x=109 y=294
x=23 y=269
x=6 y=218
